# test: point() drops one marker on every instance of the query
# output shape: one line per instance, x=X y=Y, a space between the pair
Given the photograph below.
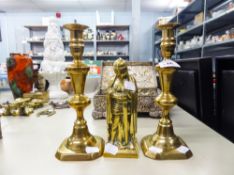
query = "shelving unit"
x=37 y=48
x=208 y=26
x=110 y=48
x=93 y=45
x=188 y=50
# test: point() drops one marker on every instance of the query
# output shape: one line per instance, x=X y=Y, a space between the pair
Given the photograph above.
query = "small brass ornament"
x=81 y=145
x=122 y=114
x=164 y=144
x=21 y=107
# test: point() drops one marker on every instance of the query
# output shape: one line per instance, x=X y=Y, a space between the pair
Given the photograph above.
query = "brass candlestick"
x=164 y=144
x=81 y=145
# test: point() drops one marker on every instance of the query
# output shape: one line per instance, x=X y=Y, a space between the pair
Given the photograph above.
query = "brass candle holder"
x=164 y=144
x=81 y=145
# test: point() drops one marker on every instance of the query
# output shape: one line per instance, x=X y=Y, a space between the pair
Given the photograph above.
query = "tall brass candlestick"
x=81 y=145
x=164 y=144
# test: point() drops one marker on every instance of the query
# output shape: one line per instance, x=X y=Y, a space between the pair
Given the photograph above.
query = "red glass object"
x=20 y=74
x=58 y=15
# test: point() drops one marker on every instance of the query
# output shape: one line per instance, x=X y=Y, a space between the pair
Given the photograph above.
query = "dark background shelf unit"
x=209 y=26
x=38 y=45
x=93 y=45
x=121 y=46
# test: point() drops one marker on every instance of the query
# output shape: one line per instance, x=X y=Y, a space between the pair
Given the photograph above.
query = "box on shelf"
x=198 y=19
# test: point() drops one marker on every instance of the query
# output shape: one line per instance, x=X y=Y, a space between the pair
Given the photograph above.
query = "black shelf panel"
x=212 y=3
x=220 y=44
x=189 y=50
x=188 y=13
x=196 y=30
x=220 y=21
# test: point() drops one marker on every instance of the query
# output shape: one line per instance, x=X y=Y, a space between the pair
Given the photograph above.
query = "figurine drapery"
x=122 y=108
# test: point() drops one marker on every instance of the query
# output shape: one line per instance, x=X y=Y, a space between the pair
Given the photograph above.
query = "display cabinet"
x=112 y=41
x=36 y=42
x=205 y=28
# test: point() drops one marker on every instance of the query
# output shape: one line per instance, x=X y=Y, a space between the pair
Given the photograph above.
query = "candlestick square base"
x=165 y=148
x=86 y=152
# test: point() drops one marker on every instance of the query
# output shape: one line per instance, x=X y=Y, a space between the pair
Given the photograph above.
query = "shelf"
x=119 y=27
x=112 y=56
x=67 y=56
x=212 y=3
x=223 y=44
x=39 y=41
x=220 y=21
x=208 y=27
x=36 y=27
x=112 y=42
x=42 y=41
x=190 y=11
x=195 y=30
x=188 y=50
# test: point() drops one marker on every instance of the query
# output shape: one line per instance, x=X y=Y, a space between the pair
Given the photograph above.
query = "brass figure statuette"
x=122 y=114
x=81 y=145
x=164 y=144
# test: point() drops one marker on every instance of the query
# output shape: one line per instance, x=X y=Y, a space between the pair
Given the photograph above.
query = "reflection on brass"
x=164 y=144
x=122 y=112
x=81 y=145
x=47 y=112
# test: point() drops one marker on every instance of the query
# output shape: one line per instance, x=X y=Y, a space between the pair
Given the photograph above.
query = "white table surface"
x=29 y=145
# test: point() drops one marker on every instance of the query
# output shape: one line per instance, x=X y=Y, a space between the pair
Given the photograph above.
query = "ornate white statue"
x=53 y=65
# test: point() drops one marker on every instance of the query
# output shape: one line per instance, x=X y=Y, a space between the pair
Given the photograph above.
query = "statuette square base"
x=165 y=150
x=66 y=154
x=124 y=153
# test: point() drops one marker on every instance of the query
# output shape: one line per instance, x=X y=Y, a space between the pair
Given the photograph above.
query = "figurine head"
x=121 y=68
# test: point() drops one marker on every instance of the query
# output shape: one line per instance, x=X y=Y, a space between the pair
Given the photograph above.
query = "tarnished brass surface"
x=164 y=144
x=20 y=107
x=81 y=145
x=122 y=112
x=44 y=95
